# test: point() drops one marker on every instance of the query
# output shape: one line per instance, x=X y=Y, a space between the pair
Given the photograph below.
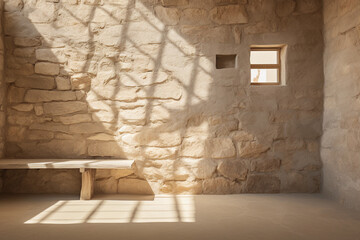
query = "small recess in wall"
x=225 y=61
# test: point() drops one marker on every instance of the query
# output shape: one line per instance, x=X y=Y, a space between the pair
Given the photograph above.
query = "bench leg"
x=87 y=184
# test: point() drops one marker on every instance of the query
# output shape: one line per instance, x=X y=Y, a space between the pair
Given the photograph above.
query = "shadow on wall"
x=137 y=80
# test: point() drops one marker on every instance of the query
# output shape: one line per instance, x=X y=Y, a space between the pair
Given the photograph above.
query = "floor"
x=290 y=217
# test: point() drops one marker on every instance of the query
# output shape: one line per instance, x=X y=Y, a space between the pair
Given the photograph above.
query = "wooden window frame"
x=267 y=66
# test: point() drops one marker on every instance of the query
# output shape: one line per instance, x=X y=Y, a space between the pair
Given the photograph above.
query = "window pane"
x=264 y=75
x=264 y=57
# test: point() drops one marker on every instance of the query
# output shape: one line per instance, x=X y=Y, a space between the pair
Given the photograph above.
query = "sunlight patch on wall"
x=161 y=209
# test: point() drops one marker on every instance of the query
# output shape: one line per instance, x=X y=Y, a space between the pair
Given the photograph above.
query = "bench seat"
x=86 y=166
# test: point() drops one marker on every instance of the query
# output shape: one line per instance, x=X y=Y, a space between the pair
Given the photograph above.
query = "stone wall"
x=341 y=140
x=137 y=80
x=2 y=92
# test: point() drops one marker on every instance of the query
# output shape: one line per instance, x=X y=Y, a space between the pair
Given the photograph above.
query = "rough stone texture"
x=340 y=142
x=137 y=80
x=2 y=89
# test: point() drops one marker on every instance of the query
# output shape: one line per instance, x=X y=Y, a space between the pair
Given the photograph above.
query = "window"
x=265 y=65
x=225 y=61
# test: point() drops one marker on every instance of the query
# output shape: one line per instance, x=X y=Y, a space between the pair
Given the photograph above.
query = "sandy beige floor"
x=290 y=217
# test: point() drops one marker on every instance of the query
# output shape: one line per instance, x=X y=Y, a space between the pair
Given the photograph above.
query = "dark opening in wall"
x=225 y=61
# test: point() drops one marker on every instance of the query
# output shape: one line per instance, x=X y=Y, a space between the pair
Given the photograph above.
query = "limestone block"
x=23 y=107
x=285 y=7
x=106 y=185
x=114 y=173
x=77 y=118
x=40 y=135
x=37 y=82
x=169 y=16
x=15 y=24
x=80 y=81
x=90 y=128
x=265 y=165
x=153 y=138
x=240 y=136
x=15 y=95
x=105 y=149
x=62 y=83
x=49 y=126
x=64 y=136
x=217 y=185
x=233 y=14
x=27 y=42
x=15 y=134
x=24 y=52
x=102 y=137
x=160 y=153
x=48 y=96
x=143 y=79
x=133 y=116
x=92 y=2
x=108 y=92
x=168 y=90
x=233 y=169
x=62 y=108
x=193 y=147
x=262 y=184
x=111 y=36
x=54 y=55
x=47 y=68
x=220 y=148
x=54 y=149
x=181 y=187
x=251 y=149
x=174 y=3
x=39 y=110
x=13 y=5
x=195 y=16
x=134 y=186
x=40 y=12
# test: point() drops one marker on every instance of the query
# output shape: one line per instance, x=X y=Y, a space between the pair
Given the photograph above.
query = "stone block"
x=193 y=147
x=251 y=149
x=46 y=68
x=265 y=165
x=105 y=149
x=34 y=96
x=232 y=14
x=23 y=107
x=134 y=186
x=54 y=55
x=262 y=184
x=36 y=82
x=233 y=169
x=63 y=83
x=220 y=148
x=16 y=95
x=77 y=118
x=169 y=16
x=62 y=108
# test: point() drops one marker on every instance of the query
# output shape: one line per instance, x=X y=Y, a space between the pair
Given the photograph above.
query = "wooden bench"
x=87 y=168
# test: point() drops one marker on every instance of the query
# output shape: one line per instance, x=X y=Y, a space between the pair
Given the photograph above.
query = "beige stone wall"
x=340 y=142
x=137 y=79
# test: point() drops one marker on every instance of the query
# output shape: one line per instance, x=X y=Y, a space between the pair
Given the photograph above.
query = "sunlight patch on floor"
x=161 y=209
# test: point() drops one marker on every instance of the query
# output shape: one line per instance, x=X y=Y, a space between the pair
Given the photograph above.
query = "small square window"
x=265 y=65
x=225 y=61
